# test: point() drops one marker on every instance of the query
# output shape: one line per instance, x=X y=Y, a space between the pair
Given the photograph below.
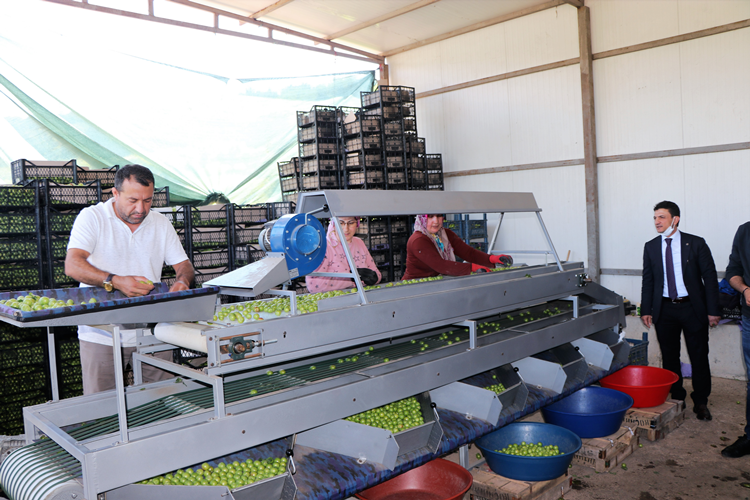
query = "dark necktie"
x=671 y=285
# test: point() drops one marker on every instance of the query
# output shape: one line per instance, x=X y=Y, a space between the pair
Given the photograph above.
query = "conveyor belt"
x=61 y=467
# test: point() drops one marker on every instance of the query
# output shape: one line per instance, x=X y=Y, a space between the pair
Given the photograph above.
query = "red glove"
x=476 y=268
x=503 y=260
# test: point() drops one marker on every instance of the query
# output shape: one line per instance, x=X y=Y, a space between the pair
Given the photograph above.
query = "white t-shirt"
x=118 y=250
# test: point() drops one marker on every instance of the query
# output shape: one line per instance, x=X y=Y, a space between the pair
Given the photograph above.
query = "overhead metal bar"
x=267 y=10
x=335 y=49
x=476 y=26
x=380 y=19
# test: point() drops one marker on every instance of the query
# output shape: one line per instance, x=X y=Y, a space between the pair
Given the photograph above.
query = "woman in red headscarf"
x=432 y=251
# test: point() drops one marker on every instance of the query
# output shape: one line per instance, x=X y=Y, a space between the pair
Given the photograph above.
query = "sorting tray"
x=115 y=308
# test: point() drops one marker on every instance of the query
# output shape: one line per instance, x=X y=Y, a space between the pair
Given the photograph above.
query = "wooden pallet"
x=605 y=453
x=655 y=423
x=490 y=486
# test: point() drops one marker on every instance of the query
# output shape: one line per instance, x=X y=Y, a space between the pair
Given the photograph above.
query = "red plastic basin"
x=435 y=480
x=647 y=385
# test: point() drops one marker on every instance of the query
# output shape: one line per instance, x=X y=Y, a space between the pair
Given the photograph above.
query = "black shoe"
x=739 y=448
x=702 y=412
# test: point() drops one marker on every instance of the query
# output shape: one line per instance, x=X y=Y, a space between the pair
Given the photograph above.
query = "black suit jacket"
x=698 y=273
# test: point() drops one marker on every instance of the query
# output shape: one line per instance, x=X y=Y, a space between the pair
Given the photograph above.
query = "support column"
x=589 y=144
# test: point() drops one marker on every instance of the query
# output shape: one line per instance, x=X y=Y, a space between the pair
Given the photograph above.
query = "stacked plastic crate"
x=107 y=180
x=399 y=230
x=68 y=356
x=289 y=177
x=318 y=149
x=394 y=107
x=247 y=223
x=434 y=163
x=24 y=372
x=416 y=162
x=209 y=239
x=177 y=216
x=360 y=142
x=21 y=251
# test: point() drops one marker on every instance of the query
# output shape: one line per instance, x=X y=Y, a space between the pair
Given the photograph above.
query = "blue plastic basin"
x=529 y=468
x=591 y=412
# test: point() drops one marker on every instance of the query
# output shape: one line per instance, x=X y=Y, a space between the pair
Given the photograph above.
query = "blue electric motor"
x=302 y=240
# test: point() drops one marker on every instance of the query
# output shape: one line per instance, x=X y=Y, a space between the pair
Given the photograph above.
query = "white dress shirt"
x=677 y=260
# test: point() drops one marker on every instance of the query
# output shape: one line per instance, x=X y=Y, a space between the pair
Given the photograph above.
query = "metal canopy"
x=351 y=203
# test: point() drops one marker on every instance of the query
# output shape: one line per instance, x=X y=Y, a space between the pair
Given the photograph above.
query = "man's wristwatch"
x=108 y=285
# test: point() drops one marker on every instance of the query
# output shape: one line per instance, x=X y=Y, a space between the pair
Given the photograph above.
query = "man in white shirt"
x=121 y=245
x=680 y=295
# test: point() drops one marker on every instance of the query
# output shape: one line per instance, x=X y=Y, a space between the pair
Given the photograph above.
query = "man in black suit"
x=680 y=294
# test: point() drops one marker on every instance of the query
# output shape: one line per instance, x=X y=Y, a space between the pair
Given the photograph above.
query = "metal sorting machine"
x=440 y=340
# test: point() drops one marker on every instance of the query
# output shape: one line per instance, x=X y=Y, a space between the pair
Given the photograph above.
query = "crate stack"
x=24 y=371
x=289 y=177
x=209 y=240
x=21 y=250
x=386 y=238
x=177 y=216
x=360 y=141
x=247 y=223
x=394 y=108
x=68 y=356
x=318 y=149
x=434 y=163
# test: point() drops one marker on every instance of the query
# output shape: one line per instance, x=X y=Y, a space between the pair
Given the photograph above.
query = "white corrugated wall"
x=683 y=95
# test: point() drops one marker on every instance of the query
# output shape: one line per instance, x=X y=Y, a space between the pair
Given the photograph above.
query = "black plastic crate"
x=14 y=197
x=106 y=177
x=385 y=113
x=398 y=241
x=457 y=226
x=363 y=160
x=363 y=142
x=22 y=354
x=379 y=241
x=399 y=225
x=289 y=184
x=638 y=350
x=365 y=177
x=175 y=216
x=394 y=144
x=415 y=145
x=476 y=229
x=409 y=124
x=362 y=125
x=393 y=128
x=20 y=248
x=315 y=115
x=317 y=131
x=59 y=221
x=243 y=236
x=321 y=180
x=10 y=334
x=71 y=195
x=406 y=94
x=23 y=380
x=323 y=147
x=214 y=258
x=435 y=162
x=377 y=225
x=250 y=214
x=161 y=198
x=62 y=172
x=380 y=257
x=11 y=411
x=209 y=238
x=209 y=216
x=21 y=276
x=278 y=208
x=246 y=254
x=290 y=196
x=288 y=168
x=408 y=111
x=314 y=165
x=396 y=178
x=479 y=245
x=56 y=277
x=385 y=94
x=19 y=223
x=204 y=275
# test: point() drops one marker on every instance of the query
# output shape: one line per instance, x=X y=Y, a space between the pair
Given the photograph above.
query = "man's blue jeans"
x=745 y=328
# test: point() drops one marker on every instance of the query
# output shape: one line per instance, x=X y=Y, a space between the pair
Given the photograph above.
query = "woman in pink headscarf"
x=335 y=260
x=432 y=251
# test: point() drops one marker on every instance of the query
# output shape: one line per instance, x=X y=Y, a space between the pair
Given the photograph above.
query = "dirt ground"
x=686 y=464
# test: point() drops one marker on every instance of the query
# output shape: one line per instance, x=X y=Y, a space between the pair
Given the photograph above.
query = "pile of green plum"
x=395 y=417
x=232 y=475
x=531 y=450
x=252 y=310
x=33 y=302
x=496 y=388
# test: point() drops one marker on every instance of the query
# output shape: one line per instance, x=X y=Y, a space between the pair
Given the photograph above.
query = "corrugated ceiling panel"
x=716 y=200
x=435 y=19
x=628 y=192
x=477 y=130
x=541 y=38
x=715 y=82
x=638 y=102
x=560 y=193
x=545 y=116
x=616 y=24
x=419 y=68
x=697 y=15
x=472 y=56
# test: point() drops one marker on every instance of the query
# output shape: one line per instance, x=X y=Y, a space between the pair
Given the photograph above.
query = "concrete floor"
x=686 y=464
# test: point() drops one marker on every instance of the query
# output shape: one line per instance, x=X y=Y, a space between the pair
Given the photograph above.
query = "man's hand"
x=178 y=287
x=713 y=320
x=132 y=286
x=647 y=320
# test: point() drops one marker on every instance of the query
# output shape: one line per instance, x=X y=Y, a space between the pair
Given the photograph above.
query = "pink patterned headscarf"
x=440 y=239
